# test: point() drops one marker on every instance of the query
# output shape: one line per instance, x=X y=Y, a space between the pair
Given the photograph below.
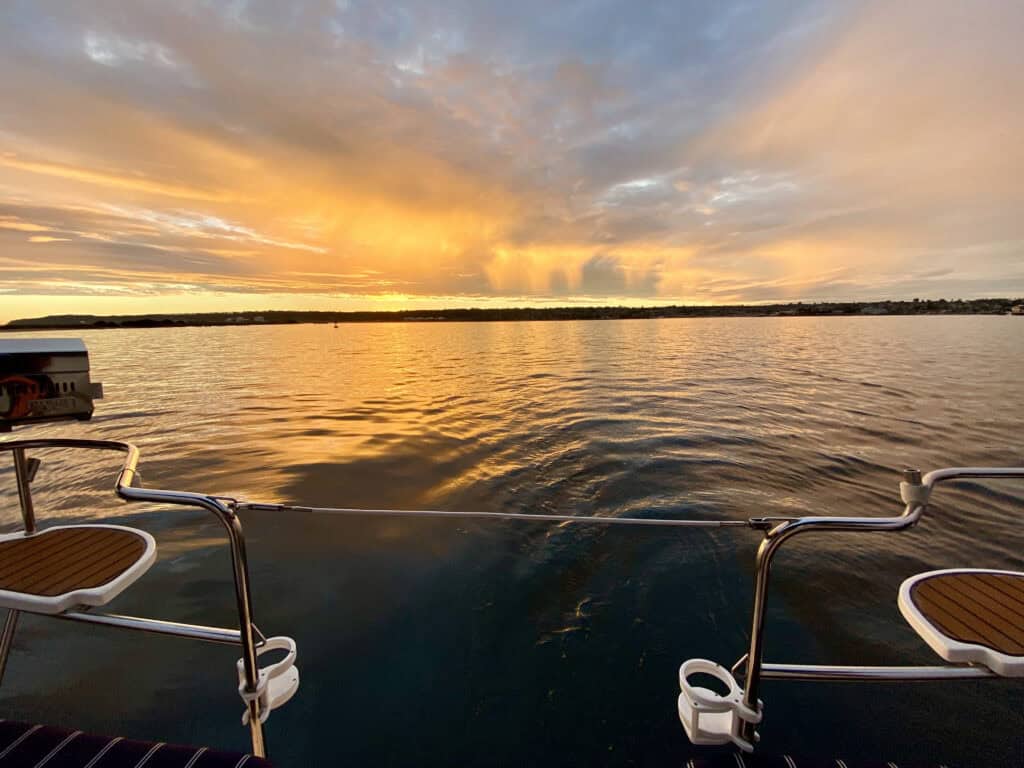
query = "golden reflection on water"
x=692 y=418
x=727 y=413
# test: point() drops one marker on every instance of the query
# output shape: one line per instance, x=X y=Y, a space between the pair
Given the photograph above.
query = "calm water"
x=432 y=643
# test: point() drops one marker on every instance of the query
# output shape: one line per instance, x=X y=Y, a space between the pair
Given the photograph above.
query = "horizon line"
x=989 y=305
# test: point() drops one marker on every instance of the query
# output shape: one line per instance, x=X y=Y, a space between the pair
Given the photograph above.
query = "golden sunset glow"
x=181 y=157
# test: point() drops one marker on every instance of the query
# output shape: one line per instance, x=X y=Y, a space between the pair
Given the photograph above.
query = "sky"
x=241 y=155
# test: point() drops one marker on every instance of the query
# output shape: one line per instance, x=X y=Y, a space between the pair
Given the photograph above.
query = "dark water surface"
x=425 y=642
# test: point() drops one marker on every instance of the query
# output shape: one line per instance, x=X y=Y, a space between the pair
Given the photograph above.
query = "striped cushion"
x=758 y=760
x=42 y=746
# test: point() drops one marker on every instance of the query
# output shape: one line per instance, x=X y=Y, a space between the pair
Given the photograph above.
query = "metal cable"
x=244 y=506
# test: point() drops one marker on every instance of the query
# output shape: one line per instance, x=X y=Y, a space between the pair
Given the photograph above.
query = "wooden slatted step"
x=48 y=571
x=975 y=608
x=970 y=615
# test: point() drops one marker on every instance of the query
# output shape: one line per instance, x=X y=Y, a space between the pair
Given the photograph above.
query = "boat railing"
x=915 y=491
x=750 y=669
x=127 y=486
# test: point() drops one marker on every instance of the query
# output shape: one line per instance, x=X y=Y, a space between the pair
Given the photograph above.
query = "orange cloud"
x=816 y=153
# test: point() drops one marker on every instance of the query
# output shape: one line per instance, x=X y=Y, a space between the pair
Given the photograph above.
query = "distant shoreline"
x=277 y=317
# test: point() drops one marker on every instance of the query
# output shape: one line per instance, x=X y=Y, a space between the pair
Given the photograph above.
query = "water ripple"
x=560 y=629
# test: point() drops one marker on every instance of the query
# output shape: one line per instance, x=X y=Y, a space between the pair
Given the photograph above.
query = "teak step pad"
x=970 y=615
x=52 y=570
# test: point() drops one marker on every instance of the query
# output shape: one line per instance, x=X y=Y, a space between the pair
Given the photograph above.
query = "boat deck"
x=758 y=760
x=24 y=744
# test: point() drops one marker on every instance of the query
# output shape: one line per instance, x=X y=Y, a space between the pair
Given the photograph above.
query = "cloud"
x=558 y=283
x=609 y=275
x=603 y=276
x=709 y=151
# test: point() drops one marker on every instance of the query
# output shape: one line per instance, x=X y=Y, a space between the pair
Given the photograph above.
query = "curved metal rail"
x=125 y=487
x=916 y=491
x=245 y=506
x=860 y=674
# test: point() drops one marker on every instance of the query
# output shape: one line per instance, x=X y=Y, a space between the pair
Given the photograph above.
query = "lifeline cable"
x=245 y=506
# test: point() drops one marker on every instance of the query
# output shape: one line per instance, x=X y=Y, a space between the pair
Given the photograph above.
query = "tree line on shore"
x=994 y=306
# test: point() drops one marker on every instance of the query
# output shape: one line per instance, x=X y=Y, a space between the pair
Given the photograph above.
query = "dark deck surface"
x=758 y=760
x=41 y=746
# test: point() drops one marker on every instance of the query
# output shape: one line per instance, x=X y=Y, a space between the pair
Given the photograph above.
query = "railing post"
x=752 y=682
x=7 y=639
x=23 y=476
x=243 y=596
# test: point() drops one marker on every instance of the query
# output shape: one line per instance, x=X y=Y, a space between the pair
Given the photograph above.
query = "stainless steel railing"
x=917 y=492
x=125 y=486
x=751 y=667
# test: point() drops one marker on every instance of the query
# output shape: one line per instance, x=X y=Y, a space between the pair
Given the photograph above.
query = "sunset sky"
x=200 y=156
